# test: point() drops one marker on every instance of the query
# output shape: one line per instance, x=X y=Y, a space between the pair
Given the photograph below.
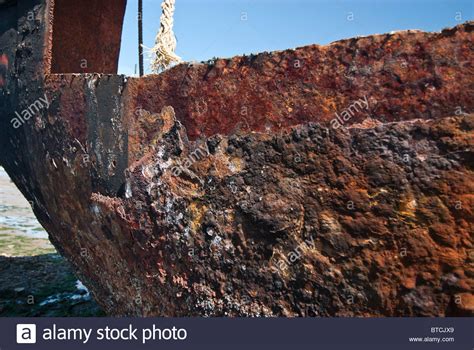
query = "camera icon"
x=26 y=334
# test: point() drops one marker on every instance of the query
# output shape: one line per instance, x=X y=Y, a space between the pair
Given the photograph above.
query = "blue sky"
x=217 y=28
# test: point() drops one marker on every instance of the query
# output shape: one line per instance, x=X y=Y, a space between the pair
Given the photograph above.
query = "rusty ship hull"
x=322 y=181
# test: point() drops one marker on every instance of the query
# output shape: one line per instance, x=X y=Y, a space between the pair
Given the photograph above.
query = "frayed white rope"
x=165 y=43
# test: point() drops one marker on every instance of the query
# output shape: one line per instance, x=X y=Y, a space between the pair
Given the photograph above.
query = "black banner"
x=237 y=333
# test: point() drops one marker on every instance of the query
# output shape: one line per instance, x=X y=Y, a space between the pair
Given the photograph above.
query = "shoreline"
x=35 y=281
x=16 y=215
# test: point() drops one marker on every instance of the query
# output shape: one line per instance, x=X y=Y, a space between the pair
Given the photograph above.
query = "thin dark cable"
x=140 y=37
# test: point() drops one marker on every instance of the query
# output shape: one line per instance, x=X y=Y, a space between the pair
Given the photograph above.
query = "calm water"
x=16 y=216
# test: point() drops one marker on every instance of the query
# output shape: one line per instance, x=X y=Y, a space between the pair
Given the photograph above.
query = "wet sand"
x=16 y=216
x=34 y=279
